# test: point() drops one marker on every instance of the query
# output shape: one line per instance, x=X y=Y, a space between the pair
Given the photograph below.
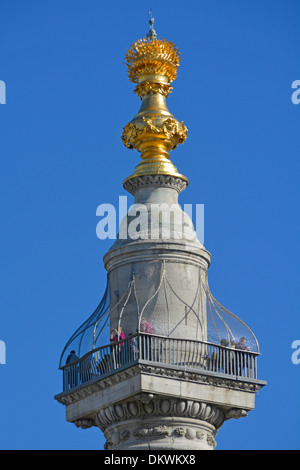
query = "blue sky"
x=67 y=100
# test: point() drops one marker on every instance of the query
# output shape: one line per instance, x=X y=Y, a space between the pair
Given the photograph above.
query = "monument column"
x=175 y=364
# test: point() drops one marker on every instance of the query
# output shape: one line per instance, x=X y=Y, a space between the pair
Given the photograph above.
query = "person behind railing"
x=116 y=336
x=72 y=357
x=243 y=359
x=72 y=371
x=242 y=344
x=232 y=357
x=146 y=327
x=86 y=371
x=134 y=346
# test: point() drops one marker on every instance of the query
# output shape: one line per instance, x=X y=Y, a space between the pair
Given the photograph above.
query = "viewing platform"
x=154 y=350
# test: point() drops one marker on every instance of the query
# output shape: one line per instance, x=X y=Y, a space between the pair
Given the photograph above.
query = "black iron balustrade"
x=173 y=352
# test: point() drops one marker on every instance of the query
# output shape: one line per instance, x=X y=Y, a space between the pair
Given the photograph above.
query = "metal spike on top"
x=152 y=33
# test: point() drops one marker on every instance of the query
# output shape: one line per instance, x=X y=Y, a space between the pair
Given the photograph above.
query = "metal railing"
x=173 y=352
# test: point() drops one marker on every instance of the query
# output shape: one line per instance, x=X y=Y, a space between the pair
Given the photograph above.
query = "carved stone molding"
x=88 y=389
x=146 y=405
x=160 y=432
x=163 y=421
x=165 y=436
x=200 y=377
x=84 y=423
x=166 y=181
x=182 y=432
x=236 y=414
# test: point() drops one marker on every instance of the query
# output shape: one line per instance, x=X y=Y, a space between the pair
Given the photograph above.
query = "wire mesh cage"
x=91 y=334
x=157 y=307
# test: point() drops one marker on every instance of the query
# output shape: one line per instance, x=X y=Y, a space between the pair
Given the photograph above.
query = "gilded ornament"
x=146 y=57
x=170 y=129
x=146 y=87
x=153 y=64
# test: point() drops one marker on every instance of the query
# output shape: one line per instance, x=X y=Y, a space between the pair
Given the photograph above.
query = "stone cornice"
x=215 y=379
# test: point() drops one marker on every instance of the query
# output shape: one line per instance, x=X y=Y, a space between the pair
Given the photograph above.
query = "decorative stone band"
x=167 y=181
x=73 y=396
x=160 y=433
x=182 y=423
x=134 y=424
x=233 y=413
x=147 y=404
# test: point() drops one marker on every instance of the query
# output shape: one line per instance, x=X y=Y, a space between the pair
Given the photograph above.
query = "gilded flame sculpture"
x=152 y=64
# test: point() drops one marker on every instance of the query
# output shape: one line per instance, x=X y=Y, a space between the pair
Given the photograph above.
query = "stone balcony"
x=168 y=388
x=159 y=351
